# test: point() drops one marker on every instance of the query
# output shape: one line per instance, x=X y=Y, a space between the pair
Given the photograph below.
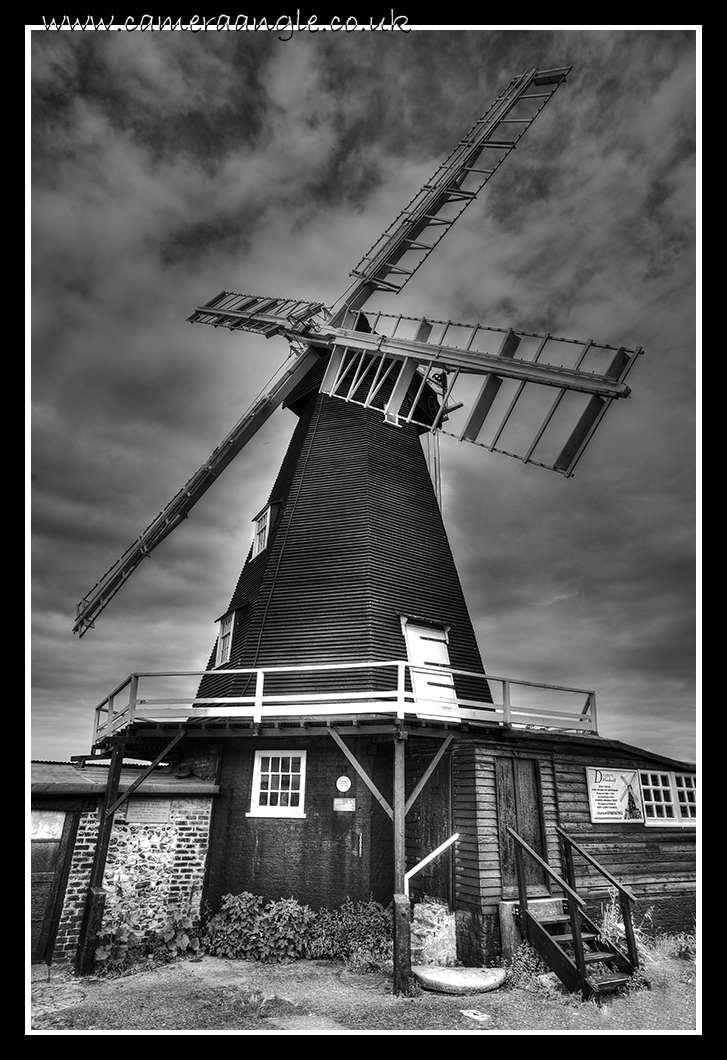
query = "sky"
x=167 y=167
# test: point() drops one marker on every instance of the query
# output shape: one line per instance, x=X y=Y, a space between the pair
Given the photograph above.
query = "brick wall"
x=72 y=914
x=155 y=866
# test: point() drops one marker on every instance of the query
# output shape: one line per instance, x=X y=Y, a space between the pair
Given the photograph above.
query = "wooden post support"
x=399 y=809
x=402 y=945
x=402 y=923
x=96 y=896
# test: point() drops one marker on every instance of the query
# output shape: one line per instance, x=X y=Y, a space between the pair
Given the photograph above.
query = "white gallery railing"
x=171 y=697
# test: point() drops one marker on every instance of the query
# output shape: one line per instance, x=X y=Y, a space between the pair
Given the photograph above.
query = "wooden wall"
x=658 y=864
x=358 y=541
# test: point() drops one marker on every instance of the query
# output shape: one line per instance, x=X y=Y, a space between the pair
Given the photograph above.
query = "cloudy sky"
x=167 y=167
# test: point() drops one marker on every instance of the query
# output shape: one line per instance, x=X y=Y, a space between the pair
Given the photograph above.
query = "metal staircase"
x=571 y=943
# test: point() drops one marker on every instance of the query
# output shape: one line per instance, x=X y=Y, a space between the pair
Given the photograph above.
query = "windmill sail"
x=410 y=239
x=181 y=504
x=483 y=385
x=537 y=397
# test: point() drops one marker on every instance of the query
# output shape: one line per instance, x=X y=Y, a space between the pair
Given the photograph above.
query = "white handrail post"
x=259 y=683
x=592 y=706
x=506 y=702
x=97 y=721
x=400 y=688
x=133 y=694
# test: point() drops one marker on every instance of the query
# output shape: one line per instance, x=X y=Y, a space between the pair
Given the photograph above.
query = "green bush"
x=249 y=928
x=130 y=938
x=358 y=933
x=525 y=967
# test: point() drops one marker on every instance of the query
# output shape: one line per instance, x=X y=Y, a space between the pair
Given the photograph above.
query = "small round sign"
x=343 y=783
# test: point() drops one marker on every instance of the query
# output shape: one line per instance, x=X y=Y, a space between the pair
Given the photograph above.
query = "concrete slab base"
x=447 y=980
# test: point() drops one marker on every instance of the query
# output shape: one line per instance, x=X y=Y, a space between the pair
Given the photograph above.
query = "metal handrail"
x=425 y=861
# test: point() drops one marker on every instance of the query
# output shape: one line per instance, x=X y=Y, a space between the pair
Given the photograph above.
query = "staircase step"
x=611 y=982
x=598 y=955
x=586 y=936
x=546 y=921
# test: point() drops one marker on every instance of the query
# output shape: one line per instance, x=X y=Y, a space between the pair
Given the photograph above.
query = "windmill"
x=487 y=385
x=350 y=577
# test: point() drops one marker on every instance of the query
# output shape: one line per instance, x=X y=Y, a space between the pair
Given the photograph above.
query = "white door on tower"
x=431 y=679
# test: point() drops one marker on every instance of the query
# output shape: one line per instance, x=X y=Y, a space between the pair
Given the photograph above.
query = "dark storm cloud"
x=169 y=167
x=183 y=101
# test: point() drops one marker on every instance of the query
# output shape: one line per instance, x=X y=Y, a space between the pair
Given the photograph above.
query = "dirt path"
x=211 y=995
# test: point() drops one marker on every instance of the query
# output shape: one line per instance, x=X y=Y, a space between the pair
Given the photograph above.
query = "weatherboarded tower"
x=349 y=565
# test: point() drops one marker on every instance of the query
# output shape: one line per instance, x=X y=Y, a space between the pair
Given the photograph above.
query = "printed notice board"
x=614 y=794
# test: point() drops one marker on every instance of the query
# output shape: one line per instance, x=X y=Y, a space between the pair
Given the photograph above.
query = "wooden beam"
x=430 y=769
x=362 y=773
x=142 y=776
x=96 y=896
x=402 y=912
x=399 y=812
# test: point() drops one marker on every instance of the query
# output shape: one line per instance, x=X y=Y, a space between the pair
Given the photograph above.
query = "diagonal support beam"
x=142 y=776
x=429 y=770
x=362 y=773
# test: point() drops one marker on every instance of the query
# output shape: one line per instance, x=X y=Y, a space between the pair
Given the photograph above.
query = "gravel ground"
x=212 y=995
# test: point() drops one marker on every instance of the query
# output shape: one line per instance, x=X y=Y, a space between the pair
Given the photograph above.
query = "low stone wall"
x=433 y=934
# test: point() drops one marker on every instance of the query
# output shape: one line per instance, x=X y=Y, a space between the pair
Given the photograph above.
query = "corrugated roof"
x=66 y=778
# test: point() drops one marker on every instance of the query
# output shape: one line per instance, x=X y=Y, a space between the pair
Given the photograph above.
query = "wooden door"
x=428 y=824
x=426 y=647
x=50 y=850
x=519 y=806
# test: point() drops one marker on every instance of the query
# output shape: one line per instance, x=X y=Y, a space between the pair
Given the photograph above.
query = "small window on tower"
x=224 y=639
x=261 y=523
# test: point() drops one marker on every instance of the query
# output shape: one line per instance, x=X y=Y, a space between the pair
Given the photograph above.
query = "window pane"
x=278 y=783
x=47 y=824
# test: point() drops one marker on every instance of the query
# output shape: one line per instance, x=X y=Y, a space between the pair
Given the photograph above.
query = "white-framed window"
x=224 y=638
x=261 y=524
x=669 y=798
x=278 y=784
